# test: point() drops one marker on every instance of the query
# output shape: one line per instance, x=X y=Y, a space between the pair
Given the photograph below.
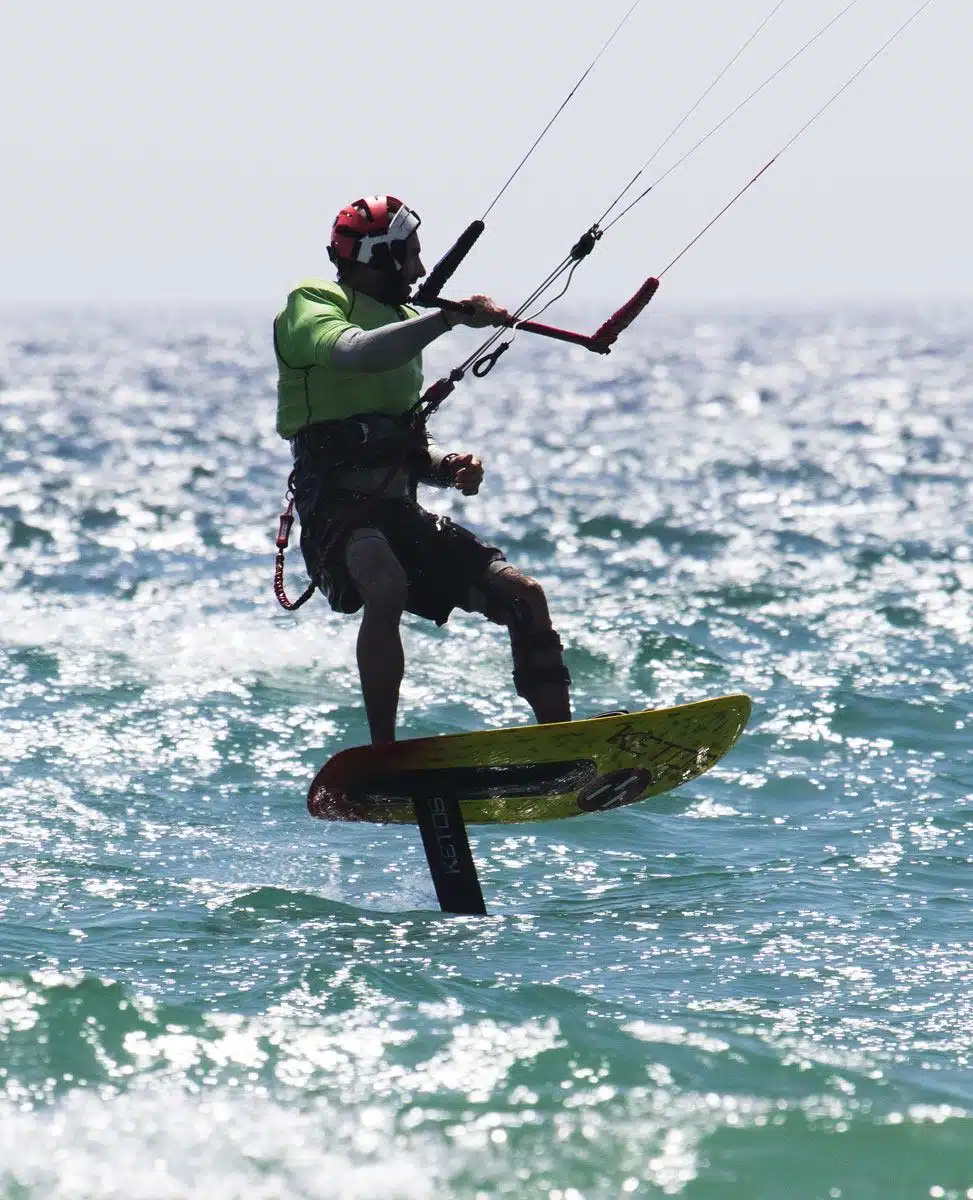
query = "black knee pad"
x=528 y=672
x=527 y=642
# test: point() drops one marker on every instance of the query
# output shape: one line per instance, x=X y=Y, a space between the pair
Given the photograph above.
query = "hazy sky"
x=195 y=152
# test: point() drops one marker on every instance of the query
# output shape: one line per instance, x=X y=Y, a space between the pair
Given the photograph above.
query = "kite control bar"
x=601 y=341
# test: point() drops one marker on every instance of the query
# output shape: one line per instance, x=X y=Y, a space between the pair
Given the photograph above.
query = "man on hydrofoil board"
x=349 y=356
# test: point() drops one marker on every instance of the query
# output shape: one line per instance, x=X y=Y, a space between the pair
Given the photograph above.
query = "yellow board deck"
x=533 y=772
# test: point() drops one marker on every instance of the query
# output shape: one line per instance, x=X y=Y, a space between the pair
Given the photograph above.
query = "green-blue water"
x=758 y=986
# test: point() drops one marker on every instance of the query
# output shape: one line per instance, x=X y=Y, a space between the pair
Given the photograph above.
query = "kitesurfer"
x=350 y=375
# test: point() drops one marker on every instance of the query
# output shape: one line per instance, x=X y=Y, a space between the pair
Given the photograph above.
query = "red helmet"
x=373 y=231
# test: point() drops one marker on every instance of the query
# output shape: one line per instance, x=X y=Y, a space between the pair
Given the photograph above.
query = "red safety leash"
x=354 y=517
x=283 y=538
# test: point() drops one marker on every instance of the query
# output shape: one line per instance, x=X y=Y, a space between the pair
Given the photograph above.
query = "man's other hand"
x=467 y=473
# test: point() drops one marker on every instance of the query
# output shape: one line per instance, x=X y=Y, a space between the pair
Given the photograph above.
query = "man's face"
x=412 y=268
x=391 y=286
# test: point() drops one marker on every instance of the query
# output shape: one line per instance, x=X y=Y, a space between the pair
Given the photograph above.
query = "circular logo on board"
x=614 y=789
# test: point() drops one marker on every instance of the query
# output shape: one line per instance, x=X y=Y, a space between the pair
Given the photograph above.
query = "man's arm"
x=392 y=346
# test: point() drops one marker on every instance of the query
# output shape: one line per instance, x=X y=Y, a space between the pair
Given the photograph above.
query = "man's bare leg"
x=383 y=587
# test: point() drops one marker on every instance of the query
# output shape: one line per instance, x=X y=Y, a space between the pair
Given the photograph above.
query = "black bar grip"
x=443 y=270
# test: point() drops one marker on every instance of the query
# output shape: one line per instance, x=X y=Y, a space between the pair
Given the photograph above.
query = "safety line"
x=561 y=109
x=743 y=103
x=804 y=128
x=682 y=121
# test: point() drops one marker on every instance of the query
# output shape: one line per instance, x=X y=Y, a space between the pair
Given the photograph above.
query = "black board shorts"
x=442 y=560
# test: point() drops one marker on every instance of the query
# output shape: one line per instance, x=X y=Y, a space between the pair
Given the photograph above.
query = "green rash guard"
x=309 y=388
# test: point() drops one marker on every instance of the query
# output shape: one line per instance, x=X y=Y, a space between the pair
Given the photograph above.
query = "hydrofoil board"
x=530 y=773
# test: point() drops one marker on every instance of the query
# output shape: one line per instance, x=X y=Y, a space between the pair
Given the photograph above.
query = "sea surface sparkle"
x=757 y=987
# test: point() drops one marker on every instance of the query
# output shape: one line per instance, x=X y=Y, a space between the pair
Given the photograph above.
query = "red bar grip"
x=560 y=335
x=608 y=333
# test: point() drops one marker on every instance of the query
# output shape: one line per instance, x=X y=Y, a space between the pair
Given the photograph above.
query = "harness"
x=363 y=442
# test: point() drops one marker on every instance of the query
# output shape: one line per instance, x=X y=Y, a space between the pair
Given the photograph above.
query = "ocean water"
x=758 y=987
